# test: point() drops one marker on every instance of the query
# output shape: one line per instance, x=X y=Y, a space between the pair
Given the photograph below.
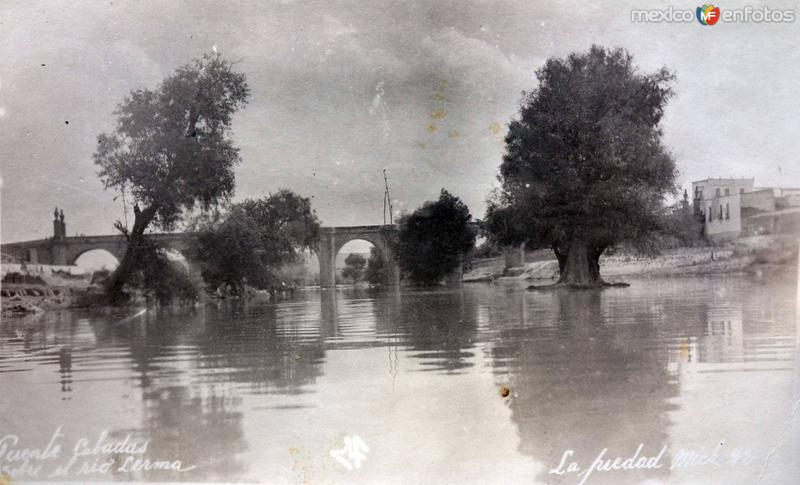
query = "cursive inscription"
x=86 y=457
x=640 y=460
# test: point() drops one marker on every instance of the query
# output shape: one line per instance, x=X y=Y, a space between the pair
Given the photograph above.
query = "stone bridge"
x=333 y=238
x=63 y=250
x=67 y=250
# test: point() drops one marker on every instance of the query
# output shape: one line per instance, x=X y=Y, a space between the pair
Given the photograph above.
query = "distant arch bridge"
x=63 y=250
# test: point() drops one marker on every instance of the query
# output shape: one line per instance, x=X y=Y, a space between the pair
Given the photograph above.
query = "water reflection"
x=262 y=350
x=260 y=391
x=439 y=328
x=582 y=383
x=202 y=427
x=65 y=368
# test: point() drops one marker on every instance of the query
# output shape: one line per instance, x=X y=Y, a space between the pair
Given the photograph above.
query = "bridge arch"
x=340 y=244
x=332 y=239
x=75 y=251
x=96 y=259
x=362 y=247
x=66 y=250
x=176 y=255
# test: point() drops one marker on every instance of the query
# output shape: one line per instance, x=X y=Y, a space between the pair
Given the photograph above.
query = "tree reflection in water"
x=586 y=370
x=579 y=383
x=193 y=413
x=201 y=427
x=439 y=328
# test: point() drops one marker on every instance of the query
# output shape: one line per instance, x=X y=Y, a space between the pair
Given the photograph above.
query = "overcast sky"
x=341 y=90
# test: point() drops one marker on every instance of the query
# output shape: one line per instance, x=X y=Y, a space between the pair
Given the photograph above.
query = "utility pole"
x=387 y=200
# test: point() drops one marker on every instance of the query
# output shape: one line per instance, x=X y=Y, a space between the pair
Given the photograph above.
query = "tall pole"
x=391 y=270
x=387 y=200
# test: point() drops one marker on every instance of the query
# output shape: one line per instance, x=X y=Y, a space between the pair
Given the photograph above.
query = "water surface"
x=264 y=392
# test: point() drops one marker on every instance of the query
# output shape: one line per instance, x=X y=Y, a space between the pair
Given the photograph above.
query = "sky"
x=342 y=90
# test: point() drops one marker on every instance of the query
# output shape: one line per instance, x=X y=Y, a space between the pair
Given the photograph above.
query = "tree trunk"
x=133 y=255
x=582 y=265
x=561 y=257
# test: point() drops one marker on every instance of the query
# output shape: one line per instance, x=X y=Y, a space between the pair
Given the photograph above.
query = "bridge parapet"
x=359 y=229
x=66 y=250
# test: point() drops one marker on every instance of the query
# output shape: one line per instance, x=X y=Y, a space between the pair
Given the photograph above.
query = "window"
x=709 y=214
x=741 y=190
x=727 y=191
x=718 y=193
x=720 y=212
x=727 y=212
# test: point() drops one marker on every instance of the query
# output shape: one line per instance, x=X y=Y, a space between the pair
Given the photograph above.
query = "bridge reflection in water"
x=258 y=391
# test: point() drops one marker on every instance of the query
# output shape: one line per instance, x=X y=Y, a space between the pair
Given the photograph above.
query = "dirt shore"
x=35 y=289
x=761 y=257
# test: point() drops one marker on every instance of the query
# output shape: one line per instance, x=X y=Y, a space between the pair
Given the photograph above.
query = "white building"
x=731 y=207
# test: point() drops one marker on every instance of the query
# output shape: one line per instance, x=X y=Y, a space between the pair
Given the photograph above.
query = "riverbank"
x=761 y=257
x=37 y=288
x=41 y=288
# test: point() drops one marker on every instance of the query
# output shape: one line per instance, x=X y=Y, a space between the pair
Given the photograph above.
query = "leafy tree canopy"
x=433 y=239
x=585 y=166
x=251 y=241
x=171 y=146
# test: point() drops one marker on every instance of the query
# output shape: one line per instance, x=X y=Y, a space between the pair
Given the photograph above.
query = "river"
x=480 y=384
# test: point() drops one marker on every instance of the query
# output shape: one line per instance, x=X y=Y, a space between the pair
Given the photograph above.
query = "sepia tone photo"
x=399 y=242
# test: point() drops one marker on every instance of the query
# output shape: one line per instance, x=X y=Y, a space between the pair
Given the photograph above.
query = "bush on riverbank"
x=250 y=243
x=165 y=280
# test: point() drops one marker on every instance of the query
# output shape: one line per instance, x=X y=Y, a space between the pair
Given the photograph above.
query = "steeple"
x=56 y=225
x=59 y=226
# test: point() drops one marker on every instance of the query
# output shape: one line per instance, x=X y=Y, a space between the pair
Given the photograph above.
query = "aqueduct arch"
x=333 y=238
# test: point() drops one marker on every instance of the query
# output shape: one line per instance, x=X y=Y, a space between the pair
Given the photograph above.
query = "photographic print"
x=399 y=242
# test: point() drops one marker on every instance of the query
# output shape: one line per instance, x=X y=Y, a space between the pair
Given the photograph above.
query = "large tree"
x=250 y=242
x=585 y=167
x=171 y=150
x=434 y=239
